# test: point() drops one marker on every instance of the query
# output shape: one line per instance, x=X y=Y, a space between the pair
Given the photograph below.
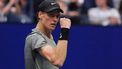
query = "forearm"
x=61 y=51
x=7 y=7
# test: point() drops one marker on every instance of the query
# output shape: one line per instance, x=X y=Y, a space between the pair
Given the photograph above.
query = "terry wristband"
x=64 y=34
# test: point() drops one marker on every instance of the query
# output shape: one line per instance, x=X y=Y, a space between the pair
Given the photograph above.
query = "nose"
x=55 y=18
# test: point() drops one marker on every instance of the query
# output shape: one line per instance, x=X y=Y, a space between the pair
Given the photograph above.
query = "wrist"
x=11 y=3
x=64 y=34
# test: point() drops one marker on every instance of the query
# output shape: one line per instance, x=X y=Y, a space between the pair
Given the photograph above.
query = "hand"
x=113 y=20
x=65 y=23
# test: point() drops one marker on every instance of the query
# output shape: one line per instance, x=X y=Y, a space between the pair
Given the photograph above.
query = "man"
x=5 y=9
x=107 y=16
x=41 y=52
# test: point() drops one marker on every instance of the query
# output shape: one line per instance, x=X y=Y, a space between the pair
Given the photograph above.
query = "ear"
x=40 y=15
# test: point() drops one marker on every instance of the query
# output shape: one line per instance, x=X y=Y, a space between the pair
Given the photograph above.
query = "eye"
x=57 y=16
x=54 y=15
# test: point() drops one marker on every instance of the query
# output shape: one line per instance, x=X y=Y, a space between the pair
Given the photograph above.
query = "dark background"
x=90 y=47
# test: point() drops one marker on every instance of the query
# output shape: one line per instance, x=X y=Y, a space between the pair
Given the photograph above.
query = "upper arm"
x=48 y=52
x=40 y=45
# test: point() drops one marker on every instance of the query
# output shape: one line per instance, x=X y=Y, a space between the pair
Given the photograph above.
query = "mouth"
x=53 y=24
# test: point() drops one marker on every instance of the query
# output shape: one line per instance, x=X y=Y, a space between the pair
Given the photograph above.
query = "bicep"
x=47 y=52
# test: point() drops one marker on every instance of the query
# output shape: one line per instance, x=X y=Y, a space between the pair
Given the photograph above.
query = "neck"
x=44 y=30
x=104 y=7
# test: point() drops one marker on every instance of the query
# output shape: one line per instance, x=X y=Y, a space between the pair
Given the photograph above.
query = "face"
x=101 y=2
x=1 y=4
x=49 y=20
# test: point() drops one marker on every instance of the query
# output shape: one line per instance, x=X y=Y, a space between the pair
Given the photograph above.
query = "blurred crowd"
x=94 y=12
x=20 y=11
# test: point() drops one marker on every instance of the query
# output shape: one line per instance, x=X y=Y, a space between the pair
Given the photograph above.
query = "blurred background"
x=95 y=40
x=81 y=12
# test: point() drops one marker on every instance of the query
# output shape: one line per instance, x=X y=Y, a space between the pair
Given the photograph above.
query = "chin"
x=53 y=28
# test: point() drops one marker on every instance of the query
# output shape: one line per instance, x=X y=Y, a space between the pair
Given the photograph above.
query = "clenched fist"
x=65 y=23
